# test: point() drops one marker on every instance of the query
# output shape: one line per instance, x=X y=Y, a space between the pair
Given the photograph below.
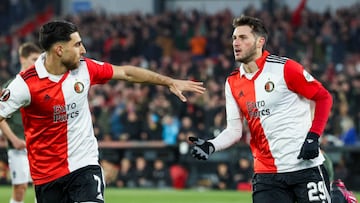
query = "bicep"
x=299 y=80
x=15 y=96
x=119 y=72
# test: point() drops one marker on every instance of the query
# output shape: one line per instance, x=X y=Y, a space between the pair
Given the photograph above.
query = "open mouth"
x=237 y=51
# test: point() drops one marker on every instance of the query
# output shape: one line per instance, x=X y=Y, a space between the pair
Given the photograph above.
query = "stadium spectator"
x=273 y=94
x=13 y=129
x=160 y=175
x=142 y=172
x=125 y=176
x=56 y=115
x=152 y=128
x=223 y=177
x=243 y=173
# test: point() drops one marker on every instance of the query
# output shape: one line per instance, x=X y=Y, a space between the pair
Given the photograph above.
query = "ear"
x=58 y=50
x=261 y=42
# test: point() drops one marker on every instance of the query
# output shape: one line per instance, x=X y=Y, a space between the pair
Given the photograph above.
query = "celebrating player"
x=53 y=97
x=273 y=94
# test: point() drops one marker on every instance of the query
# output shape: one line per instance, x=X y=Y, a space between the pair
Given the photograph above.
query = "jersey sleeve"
x=100 y=72
x=233 y=131
x=15 y=96
x=299 y=80
x=232 y=109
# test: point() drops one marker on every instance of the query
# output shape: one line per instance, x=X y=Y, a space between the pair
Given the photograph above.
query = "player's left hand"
x=310 y=147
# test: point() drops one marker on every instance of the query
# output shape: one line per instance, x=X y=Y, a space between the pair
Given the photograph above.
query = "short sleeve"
x=15 y=96
x=100 y=72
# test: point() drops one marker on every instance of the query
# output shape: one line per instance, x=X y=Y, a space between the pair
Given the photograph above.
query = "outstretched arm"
x=140 y=75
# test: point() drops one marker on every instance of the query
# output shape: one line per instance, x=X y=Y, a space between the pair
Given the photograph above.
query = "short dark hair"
x=257 y=26
x=55 y=31
x=28 y=48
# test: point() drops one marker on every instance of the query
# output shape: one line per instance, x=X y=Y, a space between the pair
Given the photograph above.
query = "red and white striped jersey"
x=56 y=117
x=275 y=103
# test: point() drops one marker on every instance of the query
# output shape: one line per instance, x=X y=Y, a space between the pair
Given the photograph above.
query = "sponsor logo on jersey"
x=5 y=95
x=257 y=109
x=62 y=113
x=307 y=76
x=79 y=87
x=269 y=86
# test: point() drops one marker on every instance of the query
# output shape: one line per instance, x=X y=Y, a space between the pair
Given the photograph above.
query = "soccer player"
x=273 y=95
x=53 y=97
x=13 y=129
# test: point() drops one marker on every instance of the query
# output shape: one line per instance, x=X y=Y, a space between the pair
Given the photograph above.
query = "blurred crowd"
x=198 y=46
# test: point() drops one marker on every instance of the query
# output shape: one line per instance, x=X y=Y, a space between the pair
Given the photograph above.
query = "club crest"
x=79 y=87
x=269 y=86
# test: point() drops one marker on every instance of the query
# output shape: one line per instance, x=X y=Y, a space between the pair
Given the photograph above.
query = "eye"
x=78 y=44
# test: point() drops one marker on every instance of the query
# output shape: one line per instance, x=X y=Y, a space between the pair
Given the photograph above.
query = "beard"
x=70 y=65
x=248 y=56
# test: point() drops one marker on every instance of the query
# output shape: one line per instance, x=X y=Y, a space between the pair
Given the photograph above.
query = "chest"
x=49 y=98
x=261 y=93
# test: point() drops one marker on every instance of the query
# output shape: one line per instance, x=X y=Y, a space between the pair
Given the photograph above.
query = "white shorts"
x=19 y=166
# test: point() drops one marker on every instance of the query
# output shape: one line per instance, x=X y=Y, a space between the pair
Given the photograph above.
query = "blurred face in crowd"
x=71 y=51
x=246 y=45
x=26 y=62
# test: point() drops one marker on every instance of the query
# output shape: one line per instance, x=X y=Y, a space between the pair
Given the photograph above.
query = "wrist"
x=211 y=147
x=313 y=136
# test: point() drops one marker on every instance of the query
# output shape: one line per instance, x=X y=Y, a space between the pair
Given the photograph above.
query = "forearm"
x=323 y=103
x=140 y=75
x=7 y=132
x=231 y=135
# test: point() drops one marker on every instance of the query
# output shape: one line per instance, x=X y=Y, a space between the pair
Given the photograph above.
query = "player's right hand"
x=201 y=148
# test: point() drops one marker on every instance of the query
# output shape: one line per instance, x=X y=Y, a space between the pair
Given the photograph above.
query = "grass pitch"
x=116 y=195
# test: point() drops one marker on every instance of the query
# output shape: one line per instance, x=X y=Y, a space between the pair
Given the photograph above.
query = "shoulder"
x=276 y=59
x=28 y=73
x=236 y=71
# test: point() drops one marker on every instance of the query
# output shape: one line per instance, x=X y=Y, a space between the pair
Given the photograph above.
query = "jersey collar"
x=259 y=62
x=40 y=68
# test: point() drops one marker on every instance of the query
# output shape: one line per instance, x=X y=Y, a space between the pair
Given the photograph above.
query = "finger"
x=193 y=139
x=198 y=88
x=178 y=93
x=182 y=97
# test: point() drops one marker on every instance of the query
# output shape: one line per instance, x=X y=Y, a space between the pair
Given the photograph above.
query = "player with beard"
x=273 y=94
x=53 y=97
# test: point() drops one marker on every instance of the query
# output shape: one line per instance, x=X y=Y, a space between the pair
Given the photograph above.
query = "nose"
x=83 y=50
x=235 y=43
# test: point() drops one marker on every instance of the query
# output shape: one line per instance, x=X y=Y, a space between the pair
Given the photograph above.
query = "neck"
x=250 y=67
x=53 y=65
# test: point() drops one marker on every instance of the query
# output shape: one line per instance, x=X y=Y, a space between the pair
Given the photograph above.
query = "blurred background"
x=142 y=130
